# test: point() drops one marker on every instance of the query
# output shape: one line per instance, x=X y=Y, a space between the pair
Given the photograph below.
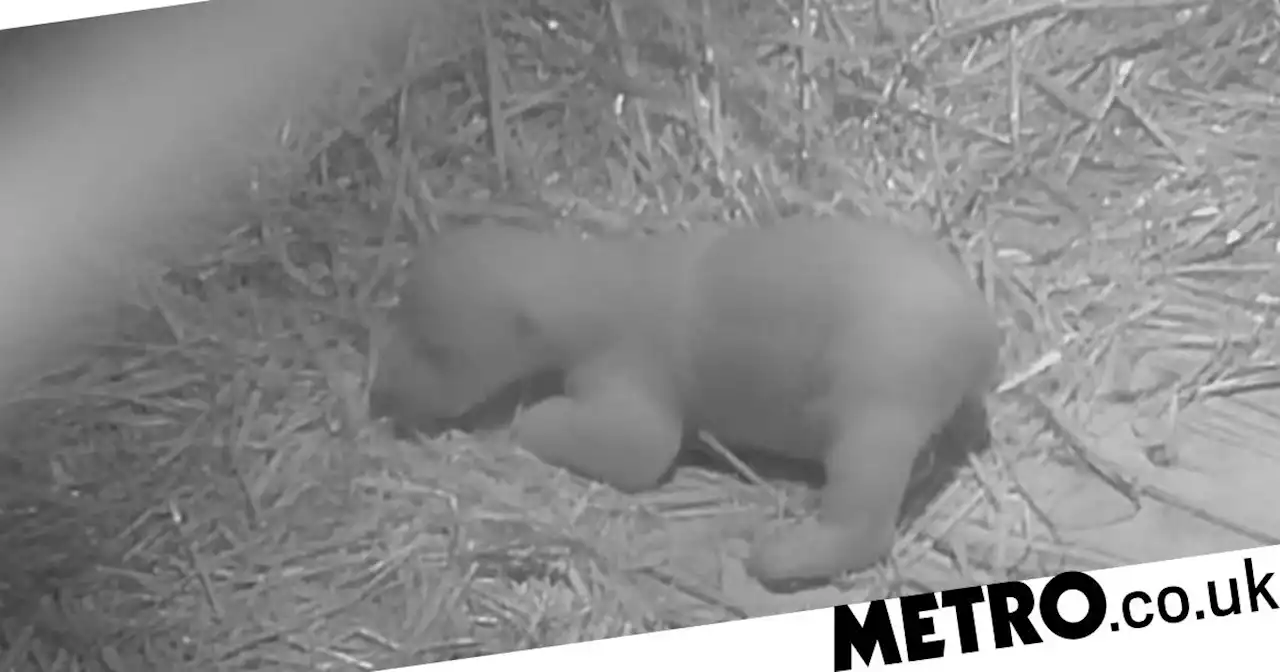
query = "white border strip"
x=21 y=13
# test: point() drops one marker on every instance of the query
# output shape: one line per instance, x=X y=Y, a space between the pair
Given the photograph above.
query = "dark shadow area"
x=57 y=535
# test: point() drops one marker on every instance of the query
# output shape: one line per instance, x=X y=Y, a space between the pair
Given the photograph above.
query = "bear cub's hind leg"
x=867 y=473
